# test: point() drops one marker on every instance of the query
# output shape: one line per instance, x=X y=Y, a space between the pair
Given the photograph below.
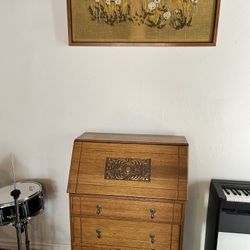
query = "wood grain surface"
x=123 y=233
x=133 y=138
x=124 y=209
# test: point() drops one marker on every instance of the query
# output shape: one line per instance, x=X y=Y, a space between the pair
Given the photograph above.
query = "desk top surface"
x=133 y=138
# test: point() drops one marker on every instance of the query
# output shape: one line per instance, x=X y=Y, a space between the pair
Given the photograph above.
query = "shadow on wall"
x=196 y=214
x=40 y=225
x=5 y=172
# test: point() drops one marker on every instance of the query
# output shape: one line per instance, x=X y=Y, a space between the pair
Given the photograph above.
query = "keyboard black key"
x=244 y=192
x=237 y=191
x=233 y=191
x=226 y=191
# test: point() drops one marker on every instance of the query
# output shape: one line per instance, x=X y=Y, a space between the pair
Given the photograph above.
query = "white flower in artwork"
x=167 y=14
x=194 y=1
x=152 y=6
x=157 y=1
x=118 y=2
x=108 y=2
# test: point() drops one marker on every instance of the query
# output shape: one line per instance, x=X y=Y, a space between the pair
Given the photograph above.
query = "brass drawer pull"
x=98 y=209
x=98 y=233
x=152 y=238
x=153 y=212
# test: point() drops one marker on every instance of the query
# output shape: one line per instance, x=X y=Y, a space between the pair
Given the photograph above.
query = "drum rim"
x=8 y=204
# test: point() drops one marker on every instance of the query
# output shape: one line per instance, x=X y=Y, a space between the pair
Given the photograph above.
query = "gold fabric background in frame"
x=84 y=29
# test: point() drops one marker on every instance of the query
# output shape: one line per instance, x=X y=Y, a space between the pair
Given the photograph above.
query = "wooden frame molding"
x=74 y=42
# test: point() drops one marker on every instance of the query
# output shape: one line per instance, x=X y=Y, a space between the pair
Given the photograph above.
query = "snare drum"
x=31 y=202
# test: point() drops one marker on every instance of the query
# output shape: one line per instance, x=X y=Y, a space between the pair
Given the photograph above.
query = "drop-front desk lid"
x=152 y=166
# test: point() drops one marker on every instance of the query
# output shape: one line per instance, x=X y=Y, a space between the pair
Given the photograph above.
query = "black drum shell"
x=27 y=208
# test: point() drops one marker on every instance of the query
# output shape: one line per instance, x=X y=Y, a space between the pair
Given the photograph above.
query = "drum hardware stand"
x=21 y=226
x=17 y=224
x=27 y=241
x=15 y=194
x=19 y=212
x=1 y=217
x=25 y=227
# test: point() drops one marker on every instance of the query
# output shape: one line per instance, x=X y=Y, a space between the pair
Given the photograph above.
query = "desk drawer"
x=124 y=209
x=119 y=233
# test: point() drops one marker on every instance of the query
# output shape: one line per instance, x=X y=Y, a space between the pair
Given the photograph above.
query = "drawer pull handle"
x=98 y=209
x=98 y=233
x=152 y=238
x=153 y=212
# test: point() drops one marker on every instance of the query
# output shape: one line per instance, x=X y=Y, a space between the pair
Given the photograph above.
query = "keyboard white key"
x=245 y=198
x=236 y=195
x=229 y=197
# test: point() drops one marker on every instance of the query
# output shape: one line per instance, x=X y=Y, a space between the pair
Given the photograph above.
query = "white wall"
x=50 y=93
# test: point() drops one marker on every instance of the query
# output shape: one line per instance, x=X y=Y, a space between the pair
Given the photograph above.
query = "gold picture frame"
x=143 y=22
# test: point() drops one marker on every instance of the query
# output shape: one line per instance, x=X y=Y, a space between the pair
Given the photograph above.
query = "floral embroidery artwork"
x=153 y=13
x=142 y=21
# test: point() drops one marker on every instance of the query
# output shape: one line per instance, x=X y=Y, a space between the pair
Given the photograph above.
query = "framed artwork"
x=143 y=22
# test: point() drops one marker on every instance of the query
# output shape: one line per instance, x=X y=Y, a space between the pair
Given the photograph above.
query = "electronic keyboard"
x=228 y=210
